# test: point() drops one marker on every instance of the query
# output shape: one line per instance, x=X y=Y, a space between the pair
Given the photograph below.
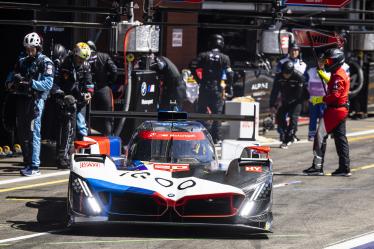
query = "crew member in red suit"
x=334 y=117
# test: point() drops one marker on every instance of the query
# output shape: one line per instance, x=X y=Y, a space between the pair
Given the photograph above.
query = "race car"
x=170 y=174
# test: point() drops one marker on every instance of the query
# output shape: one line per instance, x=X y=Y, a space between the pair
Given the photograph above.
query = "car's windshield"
x=172 y=147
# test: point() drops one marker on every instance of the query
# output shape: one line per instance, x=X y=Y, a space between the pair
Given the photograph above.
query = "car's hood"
x=165 y=183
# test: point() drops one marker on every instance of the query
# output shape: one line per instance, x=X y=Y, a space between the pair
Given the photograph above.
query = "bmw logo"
x=171 y=195
x=143 y=89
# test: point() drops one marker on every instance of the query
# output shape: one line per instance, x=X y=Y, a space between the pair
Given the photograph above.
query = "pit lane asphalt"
x=309 y=212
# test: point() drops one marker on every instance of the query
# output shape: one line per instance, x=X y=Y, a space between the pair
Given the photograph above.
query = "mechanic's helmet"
x=92 y=46
x=59 y=52
x=294 y=46
x=32 y=40
x=82 y=50
x=334 y=58
x=216 y=41
x=288 y=67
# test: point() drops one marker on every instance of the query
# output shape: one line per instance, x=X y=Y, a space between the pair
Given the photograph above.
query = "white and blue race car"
x=171 y=175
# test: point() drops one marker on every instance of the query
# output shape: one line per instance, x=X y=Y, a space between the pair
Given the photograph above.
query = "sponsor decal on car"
x=90 y=165
x=172 y=167
x=167 y=135
x=255 y=169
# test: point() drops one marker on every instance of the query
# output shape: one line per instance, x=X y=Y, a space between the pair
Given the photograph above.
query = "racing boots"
x=284 y=146
x=341 y=172
x=314 y=171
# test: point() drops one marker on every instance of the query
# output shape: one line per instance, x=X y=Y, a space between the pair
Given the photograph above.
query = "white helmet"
x=32 y=40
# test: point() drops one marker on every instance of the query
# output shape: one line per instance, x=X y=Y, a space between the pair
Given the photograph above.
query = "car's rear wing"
x=100 y=158
x=170 y=115
x=255 y=165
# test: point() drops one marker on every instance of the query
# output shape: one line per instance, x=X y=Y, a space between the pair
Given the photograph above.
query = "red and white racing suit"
x=333 y=120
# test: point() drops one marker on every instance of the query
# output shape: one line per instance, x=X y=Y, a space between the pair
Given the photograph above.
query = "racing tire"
x=359 y=82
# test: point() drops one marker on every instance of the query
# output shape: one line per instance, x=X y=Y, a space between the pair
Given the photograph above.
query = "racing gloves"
x=316 y=100
x=18 y=78
x=19 y=83
x=324 y=76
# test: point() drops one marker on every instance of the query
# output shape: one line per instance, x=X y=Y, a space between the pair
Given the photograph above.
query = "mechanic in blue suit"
x=31 y=81
x=295 y=57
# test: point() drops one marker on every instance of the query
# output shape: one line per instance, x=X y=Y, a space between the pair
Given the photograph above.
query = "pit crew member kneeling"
x=334 y=117
x=74 y=88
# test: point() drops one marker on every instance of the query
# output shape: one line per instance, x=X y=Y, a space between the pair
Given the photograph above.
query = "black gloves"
x=19 y=84
x=18 y=78
x=15 y=83
x=229 y=92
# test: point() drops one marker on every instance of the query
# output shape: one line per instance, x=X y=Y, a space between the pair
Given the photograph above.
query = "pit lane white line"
x=143 y=240
x=30 y=236
x=286 y=184
x=360 y=133
x=304 y=141
x=24 y=179
x=357 y=241
x=117 y=241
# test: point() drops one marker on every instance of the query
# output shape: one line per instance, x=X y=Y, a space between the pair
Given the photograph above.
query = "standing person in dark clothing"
x=334 y=117
x=104 y=75
x=171 y=87
x=291 y=84
x=50 y=122
x=59 y=55
x=31 y=81
x=214 y=65
x=75 y=87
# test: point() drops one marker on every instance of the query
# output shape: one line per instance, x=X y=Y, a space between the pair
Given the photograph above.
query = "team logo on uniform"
x=49 y=69
x=143 y=89
x=336 y=85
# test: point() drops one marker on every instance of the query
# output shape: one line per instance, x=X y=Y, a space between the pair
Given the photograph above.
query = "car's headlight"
x=94 y=205
x=258 y=192
x=247 y=208
x=80 y=187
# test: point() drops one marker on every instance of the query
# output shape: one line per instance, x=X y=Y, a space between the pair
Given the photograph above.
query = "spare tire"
x=357 y=78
